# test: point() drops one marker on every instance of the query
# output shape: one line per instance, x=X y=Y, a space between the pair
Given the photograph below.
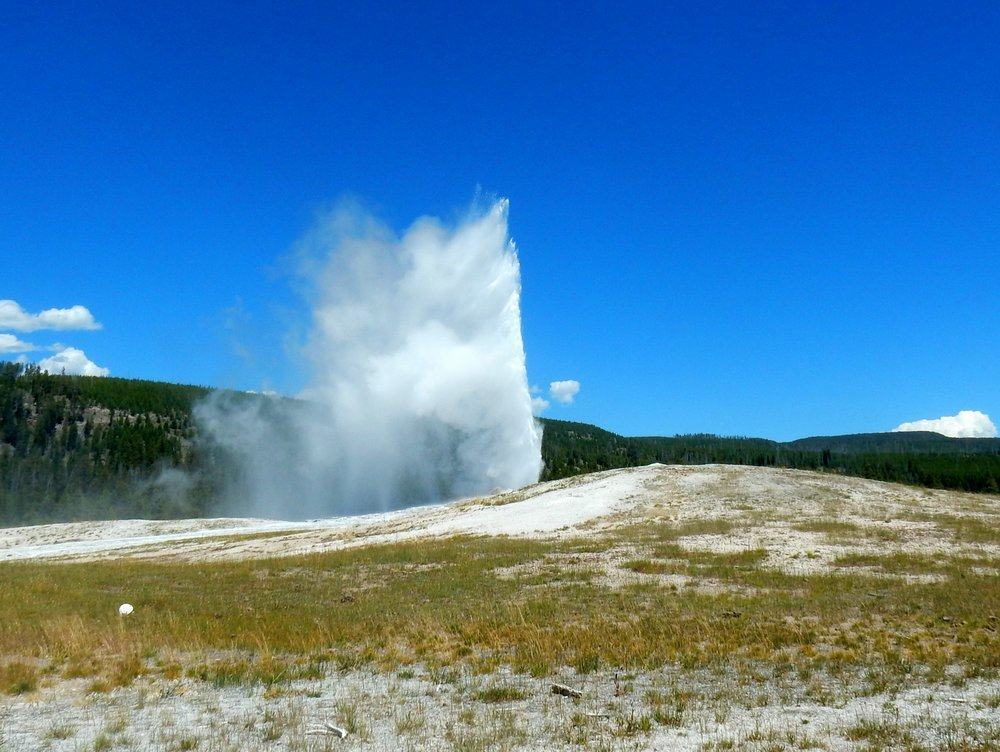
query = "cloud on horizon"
x=539 y=405
x=966 y=424
x=564 y=391
x=77 y=317
x=11 y=344
x=73 y=362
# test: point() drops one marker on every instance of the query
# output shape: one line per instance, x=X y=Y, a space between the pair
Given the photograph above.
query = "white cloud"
x=564 y=391
x=12 y=316
x=11 y=344
x=539 y=405
x=72 y=362
x=967 y=424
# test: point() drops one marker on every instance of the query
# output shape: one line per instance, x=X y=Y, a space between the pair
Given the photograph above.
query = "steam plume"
x=418 y=388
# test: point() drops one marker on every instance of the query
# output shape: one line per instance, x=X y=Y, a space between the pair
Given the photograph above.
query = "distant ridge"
x=924 y=442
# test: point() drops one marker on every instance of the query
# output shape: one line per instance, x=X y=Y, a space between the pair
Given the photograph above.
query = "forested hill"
x=905 y=442
x=79 y=447
x=75 y=447
x=929 y=459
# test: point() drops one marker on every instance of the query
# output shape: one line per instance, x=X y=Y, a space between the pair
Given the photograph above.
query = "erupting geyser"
x=418 y=389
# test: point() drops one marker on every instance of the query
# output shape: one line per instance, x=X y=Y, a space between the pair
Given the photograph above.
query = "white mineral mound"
x=765 y=507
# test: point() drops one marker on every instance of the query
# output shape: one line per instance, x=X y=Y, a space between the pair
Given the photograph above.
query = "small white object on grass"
x=125 y=609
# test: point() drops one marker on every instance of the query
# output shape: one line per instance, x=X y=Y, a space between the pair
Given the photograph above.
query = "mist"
x=417 y=389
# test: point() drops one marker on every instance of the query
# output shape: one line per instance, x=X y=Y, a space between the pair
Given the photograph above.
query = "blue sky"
x=774 y=219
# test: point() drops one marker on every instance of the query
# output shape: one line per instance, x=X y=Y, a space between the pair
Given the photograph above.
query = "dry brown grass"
x=17 y=677
x=455 y=600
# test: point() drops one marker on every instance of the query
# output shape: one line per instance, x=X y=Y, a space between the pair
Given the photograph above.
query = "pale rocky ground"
x=434 y=711
x=767 y=504
x=430 y=710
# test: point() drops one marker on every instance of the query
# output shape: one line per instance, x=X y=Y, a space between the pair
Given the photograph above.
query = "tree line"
x=936 y=462
x=79 y=447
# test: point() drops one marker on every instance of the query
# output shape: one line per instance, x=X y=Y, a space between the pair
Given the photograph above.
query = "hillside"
x=75 y=448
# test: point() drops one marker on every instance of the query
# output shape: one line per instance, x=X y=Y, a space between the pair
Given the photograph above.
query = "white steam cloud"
x=966 y=424
x=418 y=388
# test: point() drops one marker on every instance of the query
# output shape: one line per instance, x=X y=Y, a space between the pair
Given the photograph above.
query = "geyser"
x=417 y=391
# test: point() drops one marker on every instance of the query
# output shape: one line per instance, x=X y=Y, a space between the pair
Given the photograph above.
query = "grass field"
x=672 y=636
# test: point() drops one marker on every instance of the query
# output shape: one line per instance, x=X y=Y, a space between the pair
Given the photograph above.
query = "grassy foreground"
x=634 y=599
